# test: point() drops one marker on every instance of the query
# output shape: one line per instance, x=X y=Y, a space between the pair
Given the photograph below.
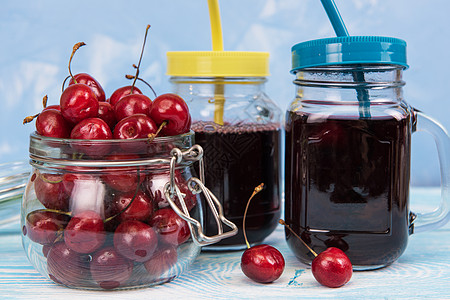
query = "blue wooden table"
x=423 y=271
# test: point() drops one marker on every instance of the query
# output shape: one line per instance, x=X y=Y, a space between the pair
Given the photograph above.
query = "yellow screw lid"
x=217 y=64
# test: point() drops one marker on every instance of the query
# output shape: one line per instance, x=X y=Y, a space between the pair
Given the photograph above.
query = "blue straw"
x=335 y=17
x=340 y=30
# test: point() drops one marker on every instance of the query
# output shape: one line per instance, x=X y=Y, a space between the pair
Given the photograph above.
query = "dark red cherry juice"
x=347 y=184
x=237 y=159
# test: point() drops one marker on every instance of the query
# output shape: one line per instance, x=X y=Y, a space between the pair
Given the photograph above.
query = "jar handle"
x=440 y=216
x=195 y=153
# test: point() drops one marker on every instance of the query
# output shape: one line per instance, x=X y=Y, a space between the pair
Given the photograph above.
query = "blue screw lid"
x=349 y=50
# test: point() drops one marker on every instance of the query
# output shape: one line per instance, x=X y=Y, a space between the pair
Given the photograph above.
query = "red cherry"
x=155 y=183
x=172 y=229
x=51 y=123
x=135 y=240
x=140 y=209
x=43 y=227
x=131 y=105
x=161 y=261
x=65 y=266
x=91 y=129
x=106 y=113
x=262 y=263
x=85 y=232
x=70 y=179
x=135 y=127
x=123 y=179
x=109 y=269
x=78 y=102
x=91 y=82
x=332 y=268
x=50 y=191
x=122 y=92
x=56 y=106
x=172 y=109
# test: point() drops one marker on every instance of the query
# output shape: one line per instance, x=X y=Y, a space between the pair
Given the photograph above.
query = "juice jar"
x=238 y=126
x=348 y=149
x=114 y=214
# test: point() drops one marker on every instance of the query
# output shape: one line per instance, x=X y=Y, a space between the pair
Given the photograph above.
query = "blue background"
x=37 y=38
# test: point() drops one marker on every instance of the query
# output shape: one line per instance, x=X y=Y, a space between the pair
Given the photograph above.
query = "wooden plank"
x=423 y=271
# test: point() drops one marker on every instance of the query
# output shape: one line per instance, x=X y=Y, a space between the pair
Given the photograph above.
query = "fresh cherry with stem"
x=171 y=113
x=331 y=268
x=50 y=122
x=261 y=263
x=91 y=82
x=78 y=101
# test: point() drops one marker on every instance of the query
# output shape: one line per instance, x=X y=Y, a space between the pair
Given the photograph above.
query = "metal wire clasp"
x=196 y=186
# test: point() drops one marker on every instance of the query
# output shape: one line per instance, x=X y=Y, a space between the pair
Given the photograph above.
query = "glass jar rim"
x=105 y=153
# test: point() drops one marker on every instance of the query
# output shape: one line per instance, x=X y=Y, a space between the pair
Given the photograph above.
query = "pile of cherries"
x=98 y=228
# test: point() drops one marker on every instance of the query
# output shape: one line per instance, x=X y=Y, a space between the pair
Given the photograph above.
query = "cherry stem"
x=290 y=229
x=140 y=59
x=75 y=48
x=152 y=136
x=44 y=101
x=31 y=118
x=148 y=84
x=257 y=189
x=64 y=83
x=51 y=210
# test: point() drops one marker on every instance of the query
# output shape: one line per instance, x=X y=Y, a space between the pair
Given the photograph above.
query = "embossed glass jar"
x=113 y=214
x=348 y=151
x=238 y=125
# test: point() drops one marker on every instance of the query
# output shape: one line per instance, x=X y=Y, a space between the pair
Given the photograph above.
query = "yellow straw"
x=216 y=27
x=217 y=45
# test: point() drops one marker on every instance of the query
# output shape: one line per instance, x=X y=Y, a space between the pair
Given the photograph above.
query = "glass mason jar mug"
x=238 y=126
x=115 y=214
x=348 y=149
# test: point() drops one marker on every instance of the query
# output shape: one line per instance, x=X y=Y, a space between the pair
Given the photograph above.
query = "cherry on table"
x=332 y=268
x=172 y=109
x=135 y=240
x=109 y=269
x=90 y=81
x=262 y=263
x=85 y=232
